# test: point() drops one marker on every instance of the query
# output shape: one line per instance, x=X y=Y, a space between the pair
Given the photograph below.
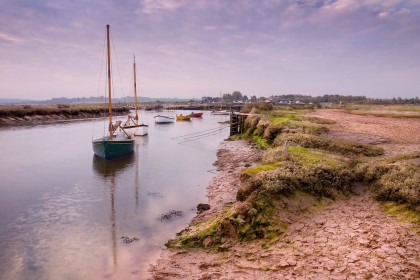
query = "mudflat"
x=347 y=238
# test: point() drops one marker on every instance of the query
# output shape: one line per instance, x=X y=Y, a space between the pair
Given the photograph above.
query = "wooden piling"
x=237 y=123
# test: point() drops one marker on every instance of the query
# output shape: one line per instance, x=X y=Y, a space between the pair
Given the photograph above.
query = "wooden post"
x=286 y=147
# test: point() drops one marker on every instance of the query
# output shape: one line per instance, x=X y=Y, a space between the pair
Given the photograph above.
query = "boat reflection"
x=109 y=170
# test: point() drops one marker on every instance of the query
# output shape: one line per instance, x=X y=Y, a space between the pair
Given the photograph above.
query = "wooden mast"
x=135 y=89
x=111 y=130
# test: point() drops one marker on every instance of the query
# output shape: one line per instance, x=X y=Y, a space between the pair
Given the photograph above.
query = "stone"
x=201 y=207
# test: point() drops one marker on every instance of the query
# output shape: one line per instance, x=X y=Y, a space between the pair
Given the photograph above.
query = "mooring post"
x=233 y=124
x=286 y=147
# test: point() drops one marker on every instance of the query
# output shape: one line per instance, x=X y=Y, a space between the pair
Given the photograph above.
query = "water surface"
x=63 y=212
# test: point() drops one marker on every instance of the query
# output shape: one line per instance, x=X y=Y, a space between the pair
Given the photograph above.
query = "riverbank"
x=11 y=115
x=350 y=237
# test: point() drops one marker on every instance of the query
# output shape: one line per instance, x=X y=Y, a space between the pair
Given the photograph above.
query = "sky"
x=194 y=48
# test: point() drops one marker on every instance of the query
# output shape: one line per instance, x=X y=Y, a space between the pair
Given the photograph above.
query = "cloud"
x=156 y=6
x=9 y=38
x=219 y=37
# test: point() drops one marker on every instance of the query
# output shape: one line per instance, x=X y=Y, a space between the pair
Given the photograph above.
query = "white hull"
x=164 y=119
x=134 y=129
x=137 y=131
x=220 y=112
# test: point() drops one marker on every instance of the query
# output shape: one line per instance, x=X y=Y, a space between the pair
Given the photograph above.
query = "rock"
x=170 y=215
x=127 y=239
x=201 y=207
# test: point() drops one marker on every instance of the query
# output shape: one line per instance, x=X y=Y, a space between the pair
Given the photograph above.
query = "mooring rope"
x=204 y=135
x=199 y=132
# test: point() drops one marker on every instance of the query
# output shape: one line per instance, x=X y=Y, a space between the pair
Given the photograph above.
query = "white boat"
x=132 y=124
x=164 y=119
x=135 y=129
x=223 y=112
x=220 y=112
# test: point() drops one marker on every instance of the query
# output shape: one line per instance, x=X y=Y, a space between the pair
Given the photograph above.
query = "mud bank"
x=349 y=238
x=33 y=115
x=44 y=119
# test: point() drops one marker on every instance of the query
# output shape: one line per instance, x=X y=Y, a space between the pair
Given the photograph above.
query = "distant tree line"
x=237 y=96
x=344 y=99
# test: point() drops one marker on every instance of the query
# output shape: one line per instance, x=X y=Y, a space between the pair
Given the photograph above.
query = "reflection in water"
x=136 y=181
x=109 y=170
x=62 y=214
x=113 y=223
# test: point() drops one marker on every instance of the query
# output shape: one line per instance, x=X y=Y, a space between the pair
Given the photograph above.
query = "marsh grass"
x=255 y=219
x=401 y=183
x=257 y=107
x=393 y=111
x=315 y=168
x=22 y=111
x=403 y=212
x=332 y=145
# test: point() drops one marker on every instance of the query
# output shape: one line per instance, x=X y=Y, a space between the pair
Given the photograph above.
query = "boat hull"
x=220 y=113
x=108 y=149
x=141 y=131
x=183 y=118
x=164 y=119
x=136 y=129
x=196 y=115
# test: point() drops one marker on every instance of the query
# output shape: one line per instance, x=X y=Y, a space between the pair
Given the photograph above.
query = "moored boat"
x=164 y=119
x=132 y=124
x=196 y=115
x=108 y=148
x=222 y=112
x=115 y=144
x=183 y=117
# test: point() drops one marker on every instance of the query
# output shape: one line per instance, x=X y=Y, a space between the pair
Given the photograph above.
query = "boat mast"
x=111 y=132
x=135 y=88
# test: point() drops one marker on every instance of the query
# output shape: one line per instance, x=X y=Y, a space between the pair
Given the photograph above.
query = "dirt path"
x=347 y=239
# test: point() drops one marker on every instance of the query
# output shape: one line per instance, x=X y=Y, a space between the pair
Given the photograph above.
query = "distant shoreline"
x=11 y=115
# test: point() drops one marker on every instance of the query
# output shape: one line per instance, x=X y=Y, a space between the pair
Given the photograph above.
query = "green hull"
x=108 y=149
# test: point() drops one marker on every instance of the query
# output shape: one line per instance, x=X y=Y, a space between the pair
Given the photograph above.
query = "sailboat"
x=220 y=112
x=132 y=124
x=115 y=144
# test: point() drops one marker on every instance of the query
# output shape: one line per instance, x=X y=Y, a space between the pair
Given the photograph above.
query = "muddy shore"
x=349 y=238
x=30 y=115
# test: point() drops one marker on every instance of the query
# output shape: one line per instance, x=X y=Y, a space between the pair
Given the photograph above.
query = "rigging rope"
x=100 y=82
x=118 y=66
